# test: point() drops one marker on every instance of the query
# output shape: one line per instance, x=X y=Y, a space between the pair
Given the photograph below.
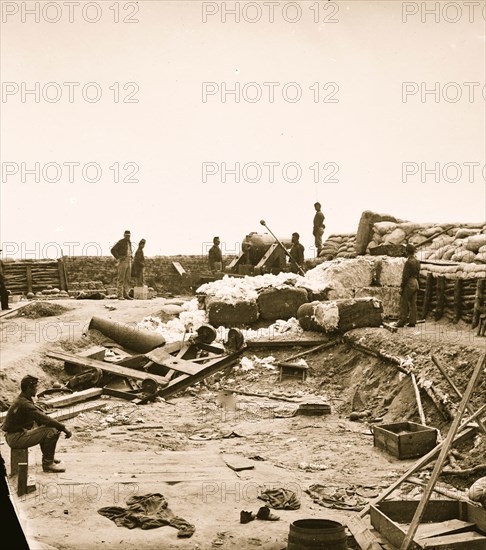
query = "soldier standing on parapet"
x=318 y=227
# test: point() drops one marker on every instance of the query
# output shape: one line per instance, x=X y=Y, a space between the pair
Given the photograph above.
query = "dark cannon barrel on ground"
x=126 y=335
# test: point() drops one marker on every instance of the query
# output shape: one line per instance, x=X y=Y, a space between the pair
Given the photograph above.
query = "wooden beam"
x=429 y=285
x=60 y=270
x=211 y=367
x=362 y=535
x=28 y=276
x=77 y=397
x=274 y=342
x=456 y=389
x=417 y=398
x=442 y=456
x=440 y=290
x=457 y=300
x=478 y=300
x=106 y=367
x=180 y=270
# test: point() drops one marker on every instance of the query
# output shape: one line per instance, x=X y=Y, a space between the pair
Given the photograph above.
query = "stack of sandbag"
x=450 y=242
x=365 y=228
x=339 y=246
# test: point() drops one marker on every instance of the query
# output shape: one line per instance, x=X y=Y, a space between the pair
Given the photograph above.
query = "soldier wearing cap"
x=296 y=254
x=215 y=256
x=21 y=433
x=122 y=251
x=318 y=227
x=409 y=288
x=139 y=264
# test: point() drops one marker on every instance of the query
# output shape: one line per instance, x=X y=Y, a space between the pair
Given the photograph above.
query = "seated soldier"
x=20 y=432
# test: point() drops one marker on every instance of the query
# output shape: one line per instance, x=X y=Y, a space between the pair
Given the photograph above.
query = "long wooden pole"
x=417 y=398
x=456 y=389
x=419 y=512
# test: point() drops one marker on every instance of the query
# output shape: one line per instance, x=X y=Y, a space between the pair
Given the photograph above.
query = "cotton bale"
x=340 y=315
x=391 y=271
x=231 y=315
x=281 y=303
x=389 y=296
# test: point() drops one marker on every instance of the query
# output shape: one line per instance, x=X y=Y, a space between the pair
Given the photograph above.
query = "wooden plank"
x=182 y=272
x=284 y=343
x=461 y=541
x=448 y=527
x=71 y=412
x=443 y=454
x=119 y=394
x=75 y=397
x=420 y=464
x=211 y=367
x=4 y=313
x=417 y=398
x=362 y=535
x=161 y=357
x=106 y=367
x=238 y=463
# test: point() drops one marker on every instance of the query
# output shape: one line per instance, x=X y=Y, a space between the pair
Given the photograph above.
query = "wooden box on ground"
x=446 y=524
x=141 y=292
x=405 y=439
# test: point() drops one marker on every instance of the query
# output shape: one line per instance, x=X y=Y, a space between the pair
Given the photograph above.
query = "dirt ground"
x=178 y=447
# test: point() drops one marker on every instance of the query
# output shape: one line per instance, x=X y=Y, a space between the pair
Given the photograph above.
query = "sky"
x=143 y=116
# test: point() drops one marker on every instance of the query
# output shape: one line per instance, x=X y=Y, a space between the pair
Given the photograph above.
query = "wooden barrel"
x=317 y=534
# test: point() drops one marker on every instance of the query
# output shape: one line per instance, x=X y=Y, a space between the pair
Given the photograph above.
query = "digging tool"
x=301 y=271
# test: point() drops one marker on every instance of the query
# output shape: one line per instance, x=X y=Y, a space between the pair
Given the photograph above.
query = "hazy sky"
x=369 y=98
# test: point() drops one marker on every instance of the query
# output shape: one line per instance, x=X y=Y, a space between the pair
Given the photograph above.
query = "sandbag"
x=281 y=303
x=397 y=236
x=365 y=229
x=475 y=242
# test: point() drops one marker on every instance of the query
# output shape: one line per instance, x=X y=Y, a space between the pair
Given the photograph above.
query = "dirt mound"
x=37 y=310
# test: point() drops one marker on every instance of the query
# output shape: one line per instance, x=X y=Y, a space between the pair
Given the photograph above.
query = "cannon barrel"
x=257 y=244
x=128 y=336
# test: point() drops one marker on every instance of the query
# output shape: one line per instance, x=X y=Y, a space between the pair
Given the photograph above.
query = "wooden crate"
x=446 y=524
x=405 y=439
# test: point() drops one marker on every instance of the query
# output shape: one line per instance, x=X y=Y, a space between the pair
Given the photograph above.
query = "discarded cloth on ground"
x=339 y=498
x=281 y=499
x=147 y=512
